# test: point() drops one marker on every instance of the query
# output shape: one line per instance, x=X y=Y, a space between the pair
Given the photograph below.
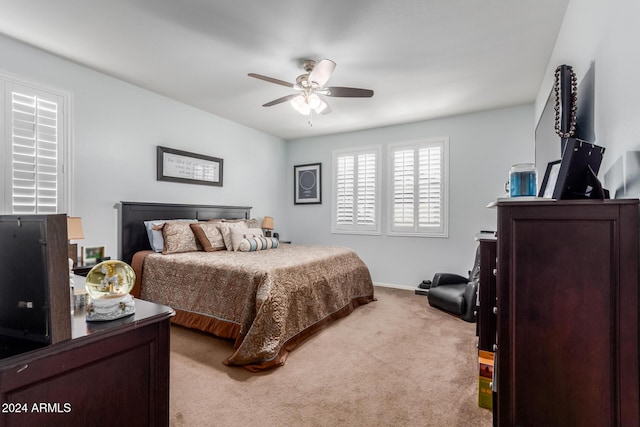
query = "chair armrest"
x=469 y=296
x=448 y=279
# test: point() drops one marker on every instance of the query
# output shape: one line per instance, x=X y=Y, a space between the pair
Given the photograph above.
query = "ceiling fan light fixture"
x=311 y=86
x=299 y=103
x=314 y=101
x=321 y=106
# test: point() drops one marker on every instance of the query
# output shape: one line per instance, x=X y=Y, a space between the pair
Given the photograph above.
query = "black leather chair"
x=456 y=294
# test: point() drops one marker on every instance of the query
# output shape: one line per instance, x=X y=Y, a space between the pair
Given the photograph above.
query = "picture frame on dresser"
x=92 y=255
x=549 y=180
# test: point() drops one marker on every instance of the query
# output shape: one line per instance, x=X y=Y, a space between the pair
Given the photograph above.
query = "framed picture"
x=307 y=184
x=93 y=254
x=549 y=180
x=578 y=172
x=189 y=168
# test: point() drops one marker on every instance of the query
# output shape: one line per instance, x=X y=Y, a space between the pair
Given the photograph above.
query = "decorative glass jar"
x=523 y=180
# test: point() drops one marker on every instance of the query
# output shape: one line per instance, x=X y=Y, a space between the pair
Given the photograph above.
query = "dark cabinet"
x=487 y=295
x=112 y=373
x=567 y=313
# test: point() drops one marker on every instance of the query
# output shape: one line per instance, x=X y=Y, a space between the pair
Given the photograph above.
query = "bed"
x=266 y=301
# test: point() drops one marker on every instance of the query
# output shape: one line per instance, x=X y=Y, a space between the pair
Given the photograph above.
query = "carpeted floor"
x=393 y=362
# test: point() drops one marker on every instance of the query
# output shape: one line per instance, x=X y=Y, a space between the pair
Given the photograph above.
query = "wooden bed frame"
x=132 y=235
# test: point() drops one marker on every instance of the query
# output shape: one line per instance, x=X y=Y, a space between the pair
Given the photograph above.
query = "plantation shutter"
x=35 y=152
x=345 y=185
x=417 y=188
x=403 y=188
x=430 y=187
x=356 y=206
x=366 y=190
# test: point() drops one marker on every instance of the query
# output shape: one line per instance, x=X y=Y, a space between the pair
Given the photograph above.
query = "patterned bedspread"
x=268 y=301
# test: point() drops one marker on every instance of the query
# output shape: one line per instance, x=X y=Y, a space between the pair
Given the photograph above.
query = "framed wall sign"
x=307 y=184
x=189 y=168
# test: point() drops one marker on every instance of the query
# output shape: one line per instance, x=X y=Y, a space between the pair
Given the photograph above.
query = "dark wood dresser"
x=112 y=373
x=487 y=294
x=567 y=314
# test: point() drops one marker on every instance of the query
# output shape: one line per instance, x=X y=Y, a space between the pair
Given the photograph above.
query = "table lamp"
x=74 y=232
x=267 y=225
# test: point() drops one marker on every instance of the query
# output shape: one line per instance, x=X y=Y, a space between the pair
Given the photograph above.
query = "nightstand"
x=82 y=270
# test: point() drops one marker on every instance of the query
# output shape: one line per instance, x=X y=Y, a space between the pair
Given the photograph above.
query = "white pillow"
x=240 y=233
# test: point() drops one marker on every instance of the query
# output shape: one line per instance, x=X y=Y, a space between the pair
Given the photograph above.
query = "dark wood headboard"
x=132 y=235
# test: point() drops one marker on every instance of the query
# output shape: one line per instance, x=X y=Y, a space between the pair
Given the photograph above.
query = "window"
x=419 y=188
x=35 y=149
x=356 y=184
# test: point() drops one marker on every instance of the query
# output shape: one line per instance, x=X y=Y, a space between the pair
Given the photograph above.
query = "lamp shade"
x=74 y=228
x=267 y=223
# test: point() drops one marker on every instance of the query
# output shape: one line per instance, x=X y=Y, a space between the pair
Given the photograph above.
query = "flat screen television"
x=34 y=288
x=548 y=144
x=550 y=147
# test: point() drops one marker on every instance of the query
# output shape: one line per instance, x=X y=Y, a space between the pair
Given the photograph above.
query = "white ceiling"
x=423 y=58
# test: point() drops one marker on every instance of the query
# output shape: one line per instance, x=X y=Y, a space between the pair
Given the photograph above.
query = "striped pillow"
x=257 y=243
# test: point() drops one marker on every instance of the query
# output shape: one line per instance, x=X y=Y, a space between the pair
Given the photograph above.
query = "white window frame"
x=414 y=230
x=9 y=83
x=355 y=228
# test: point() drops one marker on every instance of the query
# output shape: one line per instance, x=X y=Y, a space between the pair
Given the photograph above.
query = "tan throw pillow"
x=208 y=235
x=249 y=223
x=178 y=237
x=240 y=233
x=252 y=223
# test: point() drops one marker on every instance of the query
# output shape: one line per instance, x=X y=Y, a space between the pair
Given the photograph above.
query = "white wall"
x=116 y=128
x=483 y=146
x=606 y=33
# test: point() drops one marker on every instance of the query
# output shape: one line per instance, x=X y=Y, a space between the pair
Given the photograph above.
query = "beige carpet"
x=393 y=362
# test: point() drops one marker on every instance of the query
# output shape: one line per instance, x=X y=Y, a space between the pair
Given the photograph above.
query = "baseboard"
x=391 y=285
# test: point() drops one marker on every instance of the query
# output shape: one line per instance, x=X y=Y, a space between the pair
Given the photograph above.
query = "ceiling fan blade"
x=349 y=92
x=322 y=72
x=270 y=79
x=280 y=100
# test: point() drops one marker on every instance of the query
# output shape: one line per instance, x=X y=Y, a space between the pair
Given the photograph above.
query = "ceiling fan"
x=311 y=88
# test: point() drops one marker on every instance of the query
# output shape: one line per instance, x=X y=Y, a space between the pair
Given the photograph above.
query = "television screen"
x=548 y=144
x=24 y=303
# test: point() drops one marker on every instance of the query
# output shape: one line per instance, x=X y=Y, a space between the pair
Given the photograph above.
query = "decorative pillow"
x=154 y=231
x=178 y=237
x=208 y=235
x=239 y=233
x=250 y=223
x=257 y=243
x=225 y=229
